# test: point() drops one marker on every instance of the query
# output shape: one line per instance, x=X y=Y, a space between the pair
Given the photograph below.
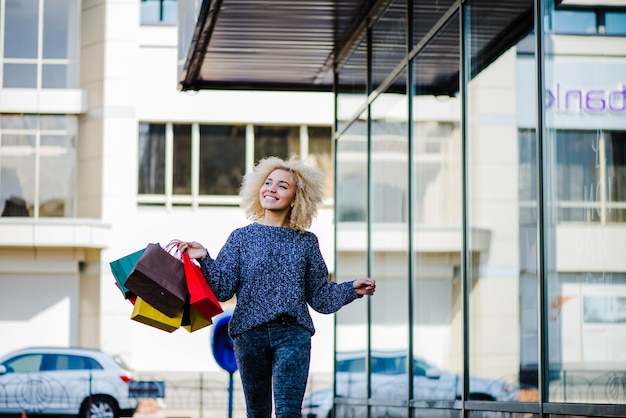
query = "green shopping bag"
x=122 y=268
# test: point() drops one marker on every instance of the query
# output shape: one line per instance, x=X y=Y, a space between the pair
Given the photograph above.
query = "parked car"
x=389 y=381
x=64 y=381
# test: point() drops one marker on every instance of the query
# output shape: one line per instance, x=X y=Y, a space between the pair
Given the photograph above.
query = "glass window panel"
x=222 y=159
x=151 y=158
x=21 y=28
x=389 y=411
x=498 y=414
x=321 y=154
x=352 y=86
x=18 y=161
x=437 y=413
x=615 y=23
x=436 y=205
x=150 y=12
x=574 y=21
x=54 y=76
x=277 y=141
x=429 y=14
x=20 y=76
x=182 y=159
x=389 y=41
x=389 y=238
x=57 y=174
x=352 y=260
x=25 y=122
x=502 y=250
x=59 y=122
x=159 y=12
x=170 y=12
x=56 y=25
x=585 y=274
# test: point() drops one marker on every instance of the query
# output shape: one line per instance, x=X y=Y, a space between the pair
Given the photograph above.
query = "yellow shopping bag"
x=149 y=315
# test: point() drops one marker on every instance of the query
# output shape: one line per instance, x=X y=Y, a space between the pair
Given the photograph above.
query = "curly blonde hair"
x=309 y=190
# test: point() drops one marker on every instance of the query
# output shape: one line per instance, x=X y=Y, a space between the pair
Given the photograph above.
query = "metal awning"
x=287 y=45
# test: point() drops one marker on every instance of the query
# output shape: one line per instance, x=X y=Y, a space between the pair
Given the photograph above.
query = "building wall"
x=56 y=286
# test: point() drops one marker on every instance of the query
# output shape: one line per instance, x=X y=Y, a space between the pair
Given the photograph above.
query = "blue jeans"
x=274 y=354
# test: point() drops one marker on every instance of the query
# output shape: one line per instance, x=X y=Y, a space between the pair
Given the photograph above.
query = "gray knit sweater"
x=273 y=271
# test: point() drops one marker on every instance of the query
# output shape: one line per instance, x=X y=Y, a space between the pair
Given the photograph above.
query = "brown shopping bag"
x=146 y=314
x=159 y=279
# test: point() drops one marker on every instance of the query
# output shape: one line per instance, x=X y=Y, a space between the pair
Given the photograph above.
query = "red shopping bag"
x=201 y=296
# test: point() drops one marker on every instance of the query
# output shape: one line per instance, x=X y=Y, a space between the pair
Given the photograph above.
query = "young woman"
x=275 y=269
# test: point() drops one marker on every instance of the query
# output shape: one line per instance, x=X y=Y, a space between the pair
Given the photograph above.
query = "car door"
x=68 y=378
x=20 y=385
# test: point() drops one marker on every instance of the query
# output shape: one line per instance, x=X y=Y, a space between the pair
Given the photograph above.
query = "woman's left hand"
x=365 y=286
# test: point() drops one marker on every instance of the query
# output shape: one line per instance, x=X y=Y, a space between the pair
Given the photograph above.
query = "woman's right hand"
x=194 y=249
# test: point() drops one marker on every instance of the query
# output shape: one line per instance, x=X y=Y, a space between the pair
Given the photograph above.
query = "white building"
x=83 y=86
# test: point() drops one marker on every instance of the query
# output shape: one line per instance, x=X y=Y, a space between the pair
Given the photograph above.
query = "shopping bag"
x=146 y=314
x=193 y=320
x=201 y=295
x=132 y=298
x=159 y=279
x=122 y=268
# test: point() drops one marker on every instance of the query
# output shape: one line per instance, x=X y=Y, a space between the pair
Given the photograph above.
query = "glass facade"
x=38 y=162
x=39 y=44
x=483 y=188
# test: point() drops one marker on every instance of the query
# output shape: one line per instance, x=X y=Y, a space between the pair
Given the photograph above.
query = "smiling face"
x=278 y=193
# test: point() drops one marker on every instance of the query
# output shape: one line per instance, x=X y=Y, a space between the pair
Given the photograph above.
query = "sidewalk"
x=153 y=408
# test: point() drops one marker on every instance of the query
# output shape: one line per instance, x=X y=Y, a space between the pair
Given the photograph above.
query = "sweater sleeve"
x=323 y=295
x=222 y=273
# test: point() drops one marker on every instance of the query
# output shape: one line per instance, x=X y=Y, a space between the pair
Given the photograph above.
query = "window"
x=207 y=162
x=68 y=362
x=155 y=12
x=38 y=165
x=25 y=364
x=589 y=22
x=40 y=44
x=574 y=22
x=615 y=23
x=590 y=175
x=221 y=176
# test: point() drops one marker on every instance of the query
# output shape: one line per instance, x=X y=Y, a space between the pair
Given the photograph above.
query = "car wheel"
x=99 y=407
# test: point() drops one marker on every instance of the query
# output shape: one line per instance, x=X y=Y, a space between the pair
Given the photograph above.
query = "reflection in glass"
x=182 y=160
x=503 y=334
x=57 y=175
x=437 y=244
x=586 y=284
x=321 y=154
x=352 y=87
x=222 y=159
x=17 y=174
x=278 y=141
x=38 y=165
x=151 y=178
x=389 y=42
x=615 y=23
x=20 y=28
x=389 y=240
x=352 y=258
